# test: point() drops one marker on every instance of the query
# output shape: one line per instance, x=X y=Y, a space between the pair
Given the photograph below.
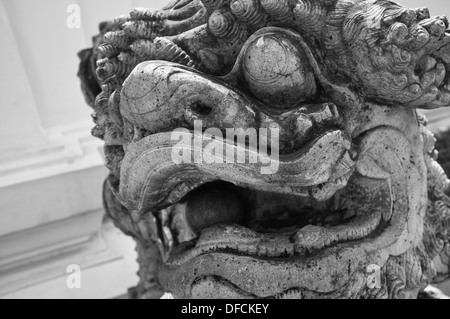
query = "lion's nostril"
x=201 y=109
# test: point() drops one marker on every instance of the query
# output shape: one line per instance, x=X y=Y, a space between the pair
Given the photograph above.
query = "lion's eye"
x=277 y=72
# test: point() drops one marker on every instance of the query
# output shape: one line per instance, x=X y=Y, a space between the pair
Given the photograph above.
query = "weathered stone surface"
x=356 y=188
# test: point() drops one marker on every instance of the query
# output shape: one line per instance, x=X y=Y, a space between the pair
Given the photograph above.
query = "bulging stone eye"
x=277 y=71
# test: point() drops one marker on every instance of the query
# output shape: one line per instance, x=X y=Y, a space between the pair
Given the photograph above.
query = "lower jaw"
x=213 y=287
x=227 y=274
x=235 y=276
x=230 y=264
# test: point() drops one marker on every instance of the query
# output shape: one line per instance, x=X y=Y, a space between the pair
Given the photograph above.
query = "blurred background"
x=51 y=169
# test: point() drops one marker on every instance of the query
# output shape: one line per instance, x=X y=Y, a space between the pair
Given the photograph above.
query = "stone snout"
x=236 y=146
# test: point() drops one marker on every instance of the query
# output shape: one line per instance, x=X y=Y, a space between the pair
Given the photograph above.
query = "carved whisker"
x=118 y=39
x=108 y=50
x=120 y=20
x=169 y=51
x=113 y=68
x=146 y=14
x=102 y=62
x=142 y=29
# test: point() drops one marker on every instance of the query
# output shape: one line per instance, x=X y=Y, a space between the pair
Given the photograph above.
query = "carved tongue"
x=237 y=239
x=310 y=239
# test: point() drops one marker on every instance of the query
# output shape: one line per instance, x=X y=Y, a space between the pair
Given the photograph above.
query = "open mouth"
x=293 y=233
x=224 y=217
x=238 y=227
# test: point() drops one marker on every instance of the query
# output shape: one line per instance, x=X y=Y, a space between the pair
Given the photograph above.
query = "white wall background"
x=47 y=48
x=437 y=7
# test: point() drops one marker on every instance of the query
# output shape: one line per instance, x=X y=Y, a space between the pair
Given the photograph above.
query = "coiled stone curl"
x=250 y=12
x=223 y=25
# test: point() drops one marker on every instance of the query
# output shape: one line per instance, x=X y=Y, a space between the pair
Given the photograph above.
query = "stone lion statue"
x=357 y=205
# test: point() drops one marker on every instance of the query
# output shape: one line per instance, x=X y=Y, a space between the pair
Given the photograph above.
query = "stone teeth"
x=262 y=251
x=291 y=294
x=272 y=252
x=351 y=234
x=289 y=251
x=168 y=238
x=365 y=231
x=311 y=238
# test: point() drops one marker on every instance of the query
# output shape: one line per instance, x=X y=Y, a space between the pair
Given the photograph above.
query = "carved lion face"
x=335 y=83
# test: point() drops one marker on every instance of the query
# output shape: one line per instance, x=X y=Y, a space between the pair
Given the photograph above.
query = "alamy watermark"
x=373 y=279
x=240 y=146
x=74 y=19
x=74 y=279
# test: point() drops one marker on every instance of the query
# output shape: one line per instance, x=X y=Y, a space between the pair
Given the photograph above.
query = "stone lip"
x=268 y=277
x=150 y=179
